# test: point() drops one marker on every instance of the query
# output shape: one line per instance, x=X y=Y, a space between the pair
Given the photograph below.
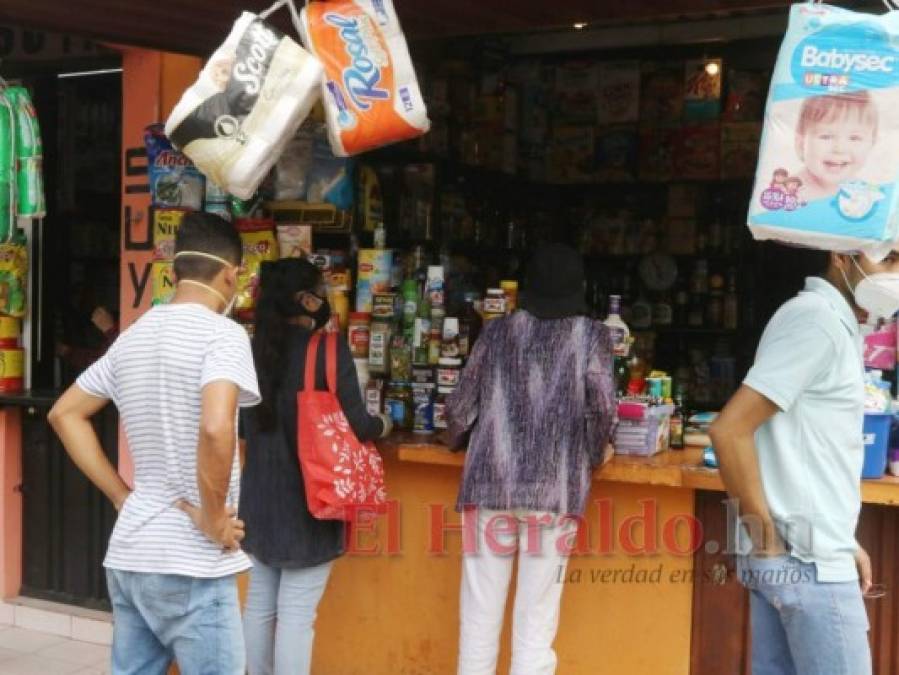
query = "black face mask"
x=320 y=316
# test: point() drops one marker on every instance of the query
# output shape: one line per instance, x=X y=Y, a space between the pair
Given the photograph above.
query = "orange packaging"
x=370 y=92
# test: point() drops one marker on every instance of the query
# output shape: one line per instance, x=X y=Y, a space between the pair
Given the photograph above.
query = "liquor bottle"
x=731 y=302
x=696 y=315
x=678 y=421
x=617 y=327
x=422 y=333
x=410 y=307
x=622 y=375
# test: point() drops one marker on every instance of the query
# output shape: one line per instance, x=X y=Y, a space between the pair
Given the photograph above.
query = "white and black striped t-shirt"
x=155 y=373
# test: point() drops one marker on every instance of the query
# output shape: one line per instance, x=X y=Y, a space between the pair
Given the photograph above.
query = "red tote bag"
x=343 y=476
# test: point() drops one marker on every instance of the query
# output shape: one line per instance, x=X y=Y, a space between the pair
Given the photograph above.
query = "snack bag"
x=827 y=171
x=30 y=200
x=174 y=180
x=13 y=278
x=165 y=226
x=164 y=286
x=259 y=245
x=249 y=101
x=295 y=241
x=370 y=91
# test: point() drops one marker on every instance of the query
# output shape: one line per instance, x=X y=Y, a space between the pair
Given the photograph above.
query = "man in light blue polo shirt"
x=789 y=444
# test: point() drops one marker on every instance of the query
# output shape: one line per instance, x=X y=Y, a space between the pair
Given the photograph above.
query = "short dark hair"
x=206 y=233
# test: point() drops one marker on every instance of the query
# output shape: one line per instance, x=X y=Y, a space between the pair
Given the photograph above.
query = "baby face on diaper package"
x=829 y=159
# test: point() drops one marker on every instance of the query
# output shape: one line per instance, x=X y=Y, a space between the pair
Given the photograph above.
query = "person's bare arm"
x=70 y=419
x=215 y=457
x=733 y=437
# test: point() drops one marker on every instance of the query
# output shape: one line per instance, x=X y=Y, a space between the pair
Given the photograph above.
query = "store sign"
x=21 y=44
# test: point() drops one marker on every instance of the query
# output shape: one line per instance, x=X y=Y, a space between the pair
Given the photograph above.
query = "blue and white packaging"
x=829 y=159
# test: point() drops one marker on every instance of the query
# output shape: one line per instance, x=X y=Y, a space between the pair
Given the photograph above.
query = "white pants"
x=485 y=585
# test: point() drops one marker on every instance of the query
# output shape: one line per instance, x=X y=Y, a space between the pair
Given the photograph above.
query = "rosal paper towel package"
x=829 y=161
x=249 y=101
x=370 y=91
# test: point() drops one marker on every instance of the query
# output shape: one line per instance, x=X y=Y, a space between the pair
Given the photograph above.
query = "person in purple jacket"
x=537 y=398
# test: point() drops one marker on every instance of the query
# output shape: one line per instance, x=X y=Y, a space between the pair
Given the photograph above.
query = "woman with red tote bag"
x=292 y=549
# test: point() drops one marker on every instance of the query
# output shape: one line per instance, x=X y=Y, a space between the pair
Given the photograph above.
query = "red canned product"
x=359 y=334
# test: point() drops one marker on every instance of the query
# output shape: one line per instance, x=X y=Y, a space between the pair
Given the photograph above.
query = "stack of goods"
x=21 y=199
x=417 y=344
x=643 y=428
x=259 y=86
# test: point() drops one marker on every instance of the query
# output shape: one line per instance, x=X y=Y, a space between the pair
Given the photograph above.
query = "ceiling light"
x=712 y=68
x=580 y=26
x=89 y=73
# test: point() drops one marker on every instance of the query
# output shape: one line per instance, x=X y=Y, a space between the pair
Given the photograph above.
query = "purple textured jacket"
x=538 y=398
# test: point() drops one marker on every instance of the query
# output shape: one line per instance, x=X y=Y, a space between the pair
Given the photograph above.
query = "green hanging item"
x=7 y=166
x=29 y=151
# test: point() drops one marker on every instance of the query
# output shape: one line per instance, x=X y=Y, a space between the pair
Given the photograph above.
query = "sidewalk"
x=26 y=652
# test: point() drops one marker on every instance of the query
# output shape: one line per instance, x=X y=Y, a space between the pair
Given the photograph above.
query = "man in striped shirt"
x=177 y=376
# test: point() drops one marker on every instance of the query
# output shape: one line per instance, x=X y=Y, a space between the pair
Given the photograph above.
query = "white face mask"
x=877 y=294
x=229 y=304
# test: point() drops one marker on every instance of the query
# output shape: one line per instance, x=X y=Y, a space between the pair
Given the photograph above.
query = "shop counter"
x=673 y=468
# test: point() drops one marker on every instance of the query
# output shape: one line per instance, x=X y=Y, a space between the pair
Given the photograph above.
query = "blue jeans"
x=801 y=626
x=279 y=619
x=158 y=618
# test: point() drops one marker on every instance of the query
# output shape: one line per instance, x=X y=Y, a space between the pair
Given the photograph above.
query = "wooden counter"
x=675 y=468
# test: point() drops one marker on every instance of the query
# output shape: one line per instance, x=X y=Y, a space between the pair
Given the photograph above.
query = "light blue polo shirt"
x=809 y=363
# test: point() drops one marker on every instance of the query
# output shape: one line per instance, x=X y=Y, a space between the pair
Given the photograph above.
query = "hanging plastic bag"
x=29 y=150
x=828 y=173
x=7 y=166
x=249 y=101
x=370 y=91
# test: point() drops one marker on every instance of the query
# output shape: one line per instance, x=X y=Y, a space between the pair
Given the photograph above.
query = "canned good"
x=510 y=290
x=359 y=334
x=398 y=404
x=12 y=369
x=374 y=397
x=423 y=402
x=422 y=375
x=448 y=372
x=440 y=421
x=495 y=302
x=654 y=387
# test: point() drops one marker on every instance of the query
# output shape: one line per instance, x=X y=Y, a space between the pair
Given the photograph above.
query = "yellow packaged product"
x=259 y=245
x=13 y=279
x=163 y=282
x=165 y=226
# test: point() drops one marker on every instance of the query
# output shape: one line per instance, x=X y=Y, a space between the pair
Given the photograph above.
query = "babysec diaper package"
x=370 y=91
x=247 y=104
x=829 y=160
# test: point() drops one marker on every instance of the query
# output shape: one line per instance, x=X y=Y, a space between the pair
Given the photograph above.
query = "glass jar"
x=359 y=334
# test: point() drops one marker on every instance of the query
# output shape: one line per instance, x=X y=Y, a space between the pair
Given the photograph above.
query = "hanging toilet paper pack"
x=370 y=91
x=829 y=161
x=248 y=102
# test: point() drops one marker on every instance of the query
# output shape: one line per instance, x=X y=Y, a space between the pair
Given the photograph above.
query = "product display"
x=834 y=85
x=370 y=90
x=259 y=245
x=250 y=99
x=174 y=181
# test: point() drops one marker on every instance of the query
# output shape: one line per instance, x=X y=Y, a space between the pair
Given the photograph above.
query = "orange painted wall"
x=399 y=615
x=11 y=486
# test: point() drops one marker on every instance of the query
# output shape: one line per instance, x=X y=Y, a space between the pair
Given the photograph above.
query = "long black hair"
x=279 y=284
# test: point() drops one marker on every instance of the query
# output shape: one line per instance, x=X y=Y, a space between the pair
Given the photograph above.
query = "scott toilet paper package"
x=370 y=91
x=248 y=102
x=829 y=161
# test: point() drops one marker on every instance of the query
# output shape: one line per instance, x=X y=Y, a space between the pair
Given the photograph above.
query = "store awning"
x=197 y=26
